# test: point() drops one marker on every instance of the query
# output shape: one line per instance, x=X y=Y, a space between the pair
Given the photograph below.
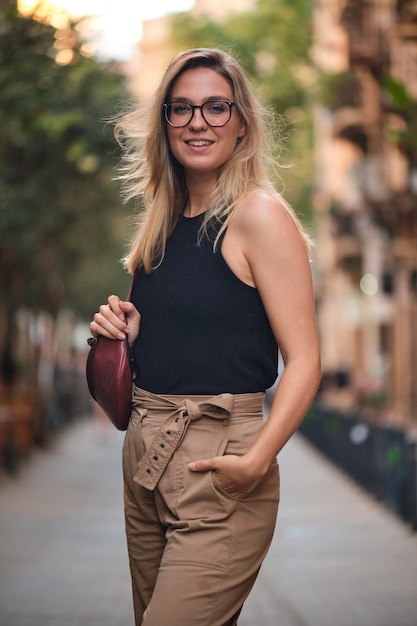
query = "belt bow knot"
x=173 y=429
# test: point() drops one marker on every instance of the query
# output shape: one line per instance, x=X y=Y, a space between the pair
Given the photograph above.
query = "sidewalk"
x=338 y=558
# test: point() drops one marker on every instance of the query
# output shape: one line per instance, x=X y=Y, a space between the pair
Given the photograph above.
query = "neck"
x=199 y=193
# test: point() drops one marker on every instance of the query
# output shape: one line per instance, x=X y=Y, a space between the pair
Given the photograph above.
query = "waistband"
x=181 y=411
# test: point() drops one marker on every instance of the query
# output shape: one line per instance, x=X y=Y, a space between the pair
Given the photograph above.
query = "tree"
x=58 y=204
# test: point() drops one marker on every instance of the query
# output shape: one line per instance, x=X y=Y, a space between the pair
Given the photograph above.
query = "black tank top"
x=203 y=331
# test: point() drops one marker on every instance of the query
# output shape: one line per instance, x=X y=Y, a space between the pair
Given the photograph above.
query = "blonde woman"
x=223 y=279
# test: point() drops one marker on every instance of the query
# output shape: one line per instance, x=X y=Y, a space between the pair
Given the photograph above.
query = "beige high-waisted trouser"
x=194 y=550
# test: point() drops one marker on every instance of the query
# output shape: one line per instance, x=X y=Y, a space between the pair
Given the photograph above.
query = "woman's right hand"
x=116 y=320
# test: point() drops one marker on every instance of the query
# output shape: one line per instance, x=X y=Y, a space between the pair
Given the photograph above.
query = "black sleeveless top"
x=202 y=331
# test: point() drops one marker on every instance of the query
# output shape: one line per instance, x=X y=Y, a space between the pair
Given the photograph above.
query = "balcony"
x=367 y=25
x=407 y=12
x=349 y=123
x=369 y=48
x=397 y=216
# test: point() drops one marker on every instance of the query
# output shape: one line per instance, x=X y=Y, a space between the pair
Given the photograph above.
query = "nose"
x=197 y=121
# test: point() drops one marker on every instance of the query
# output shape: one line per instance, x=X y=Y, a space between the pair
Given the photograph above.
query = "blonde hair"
x=150 y=172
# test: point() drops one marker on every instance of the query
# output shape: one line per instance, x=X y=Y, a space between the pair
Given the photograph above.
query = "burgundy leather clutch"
x=109 y=378
x=109 y=375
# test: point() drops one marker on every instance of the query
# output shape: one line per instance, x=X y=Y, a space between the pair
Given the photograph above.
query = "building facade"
x=366 y=203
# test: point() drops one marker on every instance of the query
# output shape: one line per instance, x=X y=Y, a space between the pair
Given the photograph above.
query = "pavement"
x=338 y=557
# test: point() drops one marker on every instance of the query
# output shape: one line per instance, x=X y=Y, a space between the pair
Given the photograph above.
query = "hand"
x=233 y=473
x=116 y=320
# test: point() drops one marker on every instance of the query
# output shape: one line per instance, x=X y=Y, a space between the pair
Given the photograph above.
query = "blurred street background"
x=342 y=78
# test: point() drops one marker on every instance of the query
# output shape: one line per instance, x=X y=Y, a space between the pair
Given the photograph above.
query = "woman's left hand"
x=233 y=473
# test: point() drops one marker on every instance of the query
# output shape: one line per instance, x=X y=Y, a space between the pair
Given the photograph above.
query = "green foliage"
x=58 y=205
x=397 y=93
x=340 y=89
x=401 y=102
x=272 y=42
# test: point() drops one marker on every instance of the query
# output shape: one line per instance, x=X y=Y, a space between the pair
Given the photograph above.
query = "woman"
x=223 y=279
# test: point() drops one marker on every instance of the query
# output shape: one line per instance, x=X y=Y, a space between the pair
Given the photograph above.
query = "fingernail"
x=121 y=336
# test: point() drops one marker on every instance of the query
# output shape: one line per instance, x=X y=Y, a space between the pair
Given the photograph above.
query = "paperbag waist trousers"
x=194 y=550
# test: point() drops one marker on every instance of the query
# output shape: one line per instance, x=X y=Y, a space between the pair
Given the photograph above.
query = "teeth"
x=199 y=143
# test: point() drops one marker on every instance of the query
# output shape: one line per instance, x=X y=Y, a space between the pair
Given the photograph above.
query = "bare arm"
x=274 y=258
x=280 y=267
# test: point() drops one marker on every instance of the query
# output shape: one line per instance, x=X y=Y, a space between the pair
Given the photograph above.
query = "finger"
x=114 y=303
x=108 y=326
x=97 y=329
x=129 y=310
x=109 y=318
x=202 y=466
x=113 y=312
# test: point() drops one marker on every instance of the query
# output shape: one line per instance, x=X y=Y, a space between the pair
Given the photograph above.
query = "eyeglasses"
x=214 y=112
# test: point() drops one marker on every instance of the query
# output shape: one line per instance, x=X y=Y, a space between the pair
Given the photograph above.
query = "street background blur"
x=342 y=78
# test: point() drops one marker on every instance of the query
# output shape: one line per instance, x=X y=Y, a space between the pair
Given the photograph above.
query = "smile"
x=198 y=143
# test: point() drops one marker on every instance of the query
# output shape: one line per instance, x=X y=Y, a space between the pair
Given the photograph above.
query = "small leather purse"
x=109 y=376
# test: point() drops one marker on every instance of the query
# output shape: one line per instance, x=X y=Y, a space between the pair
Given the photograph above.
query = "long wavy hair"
x=150 y=172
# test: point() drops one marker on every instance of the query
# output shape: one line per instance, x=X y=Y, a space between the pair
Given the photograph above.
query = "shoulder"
x=263 y=237
x=264 y=218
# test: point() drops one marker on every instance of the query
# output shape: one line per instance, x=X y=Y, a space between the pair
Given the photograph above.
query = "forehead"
x=201 y=83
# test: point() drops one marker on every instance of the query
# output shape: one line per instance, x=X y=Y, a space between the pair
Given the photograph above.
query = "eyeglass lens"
x=215 y=112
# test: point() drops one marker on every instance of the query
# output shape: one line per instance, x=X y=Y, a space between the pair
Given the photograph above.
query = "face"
x=201 y=148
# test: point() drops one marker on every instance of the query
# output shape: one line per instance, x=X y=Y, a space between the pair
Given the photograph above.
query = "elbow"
x=318 y=373
x=308 y=369
x=315 y=373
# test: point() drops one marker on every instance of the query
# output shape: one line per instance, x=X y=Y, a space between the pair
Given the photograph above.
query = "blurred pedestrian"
x=223 y=279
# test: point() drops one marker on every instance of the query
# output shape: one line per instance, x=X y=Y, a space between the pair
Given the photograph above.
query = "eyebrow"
x=209 y=99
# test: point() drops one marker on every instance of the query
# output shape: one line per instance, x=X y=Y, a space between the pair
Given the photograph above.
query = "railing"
x=381 y=459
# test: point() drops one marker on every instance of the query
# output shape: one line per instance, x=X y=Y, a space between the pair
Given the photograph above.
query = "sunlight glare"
x=117 y=25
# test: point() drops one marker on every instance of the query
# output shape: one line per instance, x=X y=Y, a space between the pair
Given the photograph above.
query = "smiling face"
x=201 y=148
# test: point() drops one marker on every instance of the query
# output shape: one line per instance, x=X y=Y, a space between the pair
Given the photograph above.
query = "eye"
x=180 y=108
x=216 y=107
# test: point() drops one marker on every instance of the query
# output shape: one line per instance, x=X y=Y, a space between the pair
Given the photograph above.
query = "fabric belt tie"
x=173 y=429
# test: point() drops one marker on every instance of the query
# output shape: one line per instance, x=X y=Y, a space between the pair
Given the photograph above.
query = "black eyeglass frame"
x=198 y=106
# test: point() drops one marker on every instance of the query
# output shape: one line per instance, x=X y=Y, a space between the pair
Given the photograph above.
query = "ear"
x=242 y=130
